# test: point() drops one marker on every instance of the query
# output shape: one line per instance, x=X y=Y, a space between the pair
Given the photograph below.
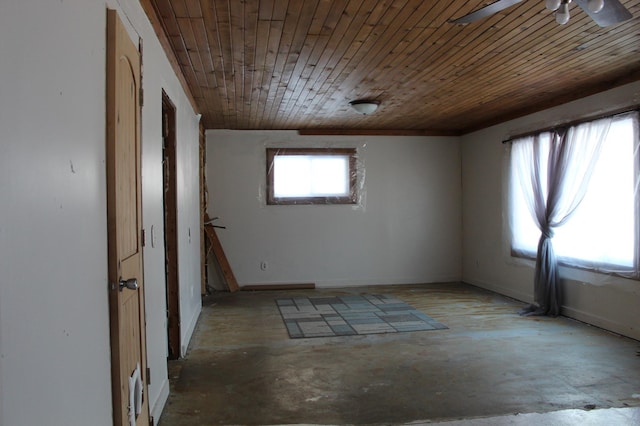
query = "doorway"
x=170 y=201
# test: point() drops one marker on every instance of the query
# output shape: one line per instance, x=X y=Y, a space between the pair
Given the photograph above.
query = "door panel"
x=126 y=303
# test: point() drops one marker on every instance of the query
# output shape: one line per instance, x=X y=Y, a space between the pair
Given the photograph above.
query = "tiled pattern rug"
x=351 y=315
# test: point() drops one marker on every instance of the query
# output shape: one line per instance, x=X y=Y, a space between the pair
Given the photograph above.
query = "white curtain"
x=553 y=171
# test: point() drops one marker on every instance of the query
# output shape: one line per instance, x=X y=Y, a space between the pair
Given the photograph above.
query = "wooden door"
x=126 y=285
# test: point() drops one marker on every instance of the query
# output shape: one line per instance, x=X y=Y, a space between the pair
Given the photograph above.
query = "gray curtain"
x=555 y=168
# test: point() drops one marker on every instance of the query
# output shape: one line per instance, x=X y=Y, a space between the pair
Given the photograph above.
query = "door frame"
x=202 y=153
x=170 y=208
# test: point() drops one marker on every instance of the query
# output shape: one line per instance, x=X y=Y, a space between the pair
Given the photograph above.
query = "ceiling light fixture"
x=562 y=14
x=365 y=107
x=561 y=7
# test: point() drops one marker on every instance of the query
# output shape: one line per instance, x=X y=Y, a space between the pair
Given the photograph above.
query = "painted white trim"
x=363 y=283
x=188 y=331
x=567 y=311
x=376 y=282
x=160 y=402
x=504 y=291
x=601 y=322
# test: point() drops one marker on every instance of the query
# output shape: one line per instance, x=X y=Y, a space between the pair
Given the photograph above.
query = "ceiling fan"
x=603 y=12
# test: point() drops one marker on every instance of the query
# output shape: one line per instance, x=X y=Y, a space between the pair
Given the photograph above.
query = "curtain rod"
x=574 y=123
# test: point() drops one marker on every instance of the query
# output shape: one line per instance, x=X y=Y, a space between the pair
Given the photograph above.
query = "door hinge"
x=143 y=237
x=141 y=97
x=148 y=375
x=151 y=422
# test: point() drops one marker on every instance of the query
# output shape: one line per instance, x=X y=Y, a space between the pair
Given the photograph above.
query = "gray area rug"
x=351 y=315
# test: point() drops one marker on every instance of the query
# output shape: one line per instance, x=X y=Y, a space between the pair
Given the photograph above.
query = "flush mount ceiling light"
x=365 y=107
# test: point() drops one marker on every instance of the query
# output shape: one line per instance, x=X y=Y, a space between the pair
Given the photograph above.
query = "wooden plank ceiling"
x=296 y=64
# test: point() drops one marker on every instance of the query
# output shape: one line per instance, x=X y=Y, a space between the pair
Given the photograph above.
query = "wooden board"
x=218 y=252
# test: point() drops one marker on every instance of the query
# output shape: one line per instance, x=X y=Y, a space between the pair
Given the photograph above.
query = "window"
x=311 y=176
x=602 y=233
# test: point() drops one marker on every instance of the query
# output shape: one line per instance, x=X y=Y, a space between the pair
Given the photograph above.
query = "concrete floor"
x=242 y=367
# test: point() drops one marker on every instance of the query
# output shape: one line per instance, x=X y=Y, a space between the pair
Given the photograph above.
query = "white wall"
x=188 y=200
x=408 y=229
x=602 y=300
x=54 y=323
x=54 y=319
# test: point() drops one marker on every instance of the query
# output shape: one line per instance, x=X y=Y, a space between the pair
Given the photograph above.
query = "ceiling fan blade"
x=485 y=11
x=612 y=13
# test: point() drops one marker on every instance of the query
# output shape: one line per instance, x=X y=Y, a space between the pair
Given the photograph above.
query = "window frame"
x=350 y=199
x=601 y=267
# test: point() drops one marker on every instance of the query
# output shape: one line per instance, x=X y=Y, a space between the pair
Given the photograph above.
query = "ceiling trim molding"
x=374 y=132
x=151 y=13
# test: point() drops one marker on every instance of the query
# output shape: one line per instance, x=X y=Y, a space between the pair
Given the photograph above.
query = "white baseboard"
x=566 y=311
x=188 y=331
x=159 y=403
x=375 y=282
x=600 y=322
x=505 y=291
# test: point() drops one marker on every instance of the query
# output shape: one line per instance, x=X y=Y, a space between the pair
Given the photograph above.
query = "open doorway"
x=170 y=225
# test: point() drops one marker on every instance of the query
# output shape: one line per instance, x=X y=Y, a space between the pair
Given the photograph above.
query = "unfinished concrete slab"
x=243 y=368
